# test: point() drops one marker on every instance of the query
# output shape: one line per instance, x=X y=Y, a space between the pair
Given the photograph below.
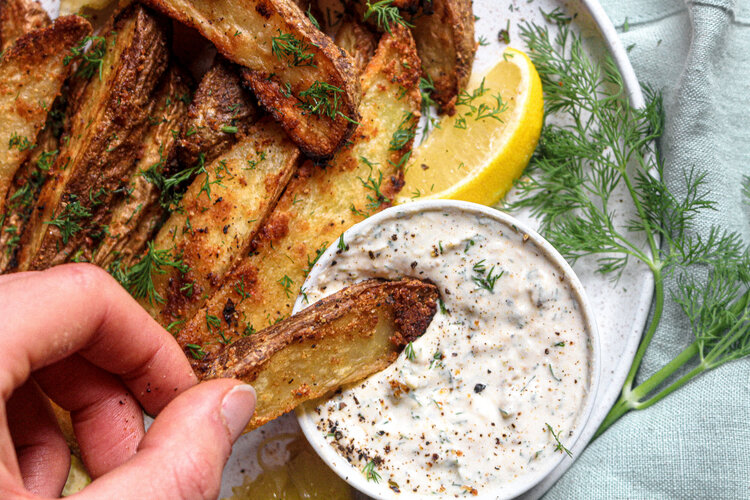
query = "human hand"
x=74 y=334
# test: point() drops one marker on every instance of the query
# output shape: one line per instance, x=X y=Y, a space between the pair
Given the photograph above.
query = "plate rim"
x=608 y=393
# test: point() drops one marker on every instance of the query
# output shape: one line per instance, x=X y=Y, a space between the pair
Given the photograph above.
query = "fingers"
x=107 y=420
x=43 y=455
x=80 y=307
x=184 y=451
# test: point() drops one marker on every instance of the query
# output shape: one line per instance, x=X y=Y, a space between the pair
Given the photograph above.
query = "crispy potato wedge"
x=296 y=72
x=321 y=202
x=24 y=190
x=222 y=211
x=32 y=72
x=220 y=112
x=444 y=32
x=18 y=17
x=358 y=41
x=340 y=340
x=111 y=107
x=136 y=214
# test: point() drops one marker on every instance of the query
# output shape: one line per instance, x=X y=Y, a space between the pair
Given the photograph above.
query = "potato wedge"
x=321 y=202
x=32 y=72
x=444 y=32
x=22 y=194
x=111 y=107
x=135 y=215
x=222 y=211
x=296 y=72
x=358 y=41
x=18 y=17
x=340 y=340
x=220 y=112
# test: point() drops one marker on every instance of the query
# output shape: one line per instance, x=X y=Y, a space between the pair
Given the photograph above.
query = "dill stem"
x=653 y=325
x=632 y=398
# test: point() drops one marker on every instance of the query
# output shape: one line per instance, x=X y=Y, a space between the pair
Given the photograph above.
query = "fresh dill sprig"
x=386 y=15
x=577 y=180
x=139 y=279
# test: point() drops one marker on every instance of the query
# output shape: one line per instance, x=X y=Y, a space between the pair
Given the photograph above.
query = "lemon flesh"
x=476 y=154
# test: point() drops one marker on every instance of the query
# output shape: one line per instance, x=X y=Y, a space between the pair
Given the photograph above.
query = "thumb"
x=184 y=451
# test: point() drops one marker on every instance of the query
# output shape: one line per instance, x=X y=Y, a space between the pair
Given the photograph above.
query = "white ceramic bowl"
x=307 y=419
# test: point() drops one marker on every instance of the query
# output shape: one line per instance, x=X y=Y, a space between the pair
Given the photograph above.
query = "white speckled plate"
x=621 y=308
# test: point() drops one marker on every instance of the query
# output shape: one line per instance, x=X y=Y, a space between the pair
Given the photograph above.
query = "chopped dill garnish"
x=91 y=60
x=318 y=254
x=386 y=15
x=294 y=51
x=483 y=278
x=196 y=351
x=139 y=279
x=286 y=283
x=69 y=219
x=370 y=472
x=404 y=133
x=559 y=446
x=322 y=98
x=409 y=352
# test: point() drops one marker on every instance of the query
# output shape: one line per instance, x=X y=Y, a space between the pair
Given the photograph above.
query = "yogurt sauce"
x=468 y=408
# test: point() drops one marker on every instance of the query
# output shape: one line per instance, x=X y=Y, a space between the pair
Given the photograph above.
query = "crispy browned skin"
x=32 y=72
x=243 y=31
x=219 y=102
x=340 y=340
x=358 y=41
x=444 y=32
x=222 y=211
x=18 y=17
x=110 y=117
x=317 y=204
x=137 y=213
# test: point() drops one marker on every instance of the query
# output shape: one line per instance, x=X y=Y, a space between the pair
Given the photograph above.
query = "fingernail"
x=237 y=408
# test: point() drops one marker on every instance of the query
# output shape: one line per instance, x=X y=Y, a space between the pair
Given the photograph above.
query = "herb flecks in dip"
x=468 y=407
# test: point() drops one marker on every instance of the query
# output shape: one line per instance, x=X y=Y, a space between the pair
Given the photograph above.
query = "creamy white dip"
x=468 y=407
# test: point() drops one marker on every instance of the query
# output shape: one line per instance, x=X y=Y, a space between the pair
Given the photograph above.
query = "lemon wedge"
x=476 y=154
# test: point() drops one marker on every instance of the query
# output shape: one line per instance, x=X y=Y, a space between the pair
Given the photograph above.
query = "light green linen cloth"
x=696 y=442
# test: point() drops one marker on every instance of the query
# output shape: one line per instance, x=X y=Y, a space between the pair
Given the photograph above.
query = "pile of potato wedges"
x=207 y=152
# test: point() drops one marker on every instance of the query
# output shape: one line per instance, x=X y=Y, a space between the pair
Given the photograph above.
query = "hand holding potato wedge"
x=95 y=352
